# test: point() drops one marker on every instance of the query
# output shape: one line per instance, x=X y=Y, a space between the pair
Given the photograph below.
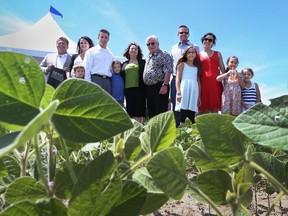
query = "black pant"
x=187 y=114
x=156 y=103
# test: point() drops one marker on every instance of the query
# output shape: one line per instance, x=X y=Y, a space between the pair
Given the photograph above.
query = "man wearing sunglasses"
x=176 y=51
x=156 y=76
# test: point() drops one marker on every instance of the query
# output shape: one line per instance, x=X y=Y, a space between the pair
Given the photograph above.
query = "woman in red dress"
x=211 y=63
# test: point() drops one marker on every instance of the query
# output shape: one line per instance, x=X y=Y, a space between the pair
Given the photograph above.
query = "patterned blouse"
x=157 y=64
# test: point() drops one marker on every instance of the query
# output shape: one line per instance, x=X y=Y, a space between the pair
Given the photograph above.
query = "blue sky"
x=255 y=30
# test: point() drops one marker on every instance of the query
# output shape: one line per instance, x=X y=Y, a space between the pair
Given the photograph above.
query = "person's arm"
x=178 y=81
x=241 y=81
x=164 y=88
x=258 y=94
x=168 y=70
x=87 y=64
x=220 y=62
x=199 y=87
x=223 y=76
x=70 y=66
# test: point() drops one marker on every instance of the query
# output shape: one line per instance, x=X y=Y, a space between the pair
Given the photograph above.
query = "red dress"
x=211 y=89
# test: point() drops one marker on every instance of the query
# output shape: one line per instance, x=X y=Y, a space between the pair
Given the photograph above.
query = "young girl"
x=188 y=85
x=232 y=82
x=117 y=84
x=79 y=71
x=250 y=93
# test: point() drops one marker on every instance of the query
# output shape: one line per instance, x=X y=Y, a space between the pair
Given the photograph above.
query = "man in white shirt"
x=177 y=50
x=98 y=61
x=60 y=60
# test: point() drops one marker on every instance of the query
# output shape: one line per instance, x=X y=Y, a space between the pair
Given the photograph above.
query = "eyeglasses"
x=151 y=43
x=183 y=32
x=208 y=39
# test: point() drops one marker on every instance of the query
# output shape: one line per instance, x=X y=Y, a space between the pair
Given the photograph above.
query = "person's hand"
x=199 y=102
x=179 y=98
x=163 y=90
x=49 y=68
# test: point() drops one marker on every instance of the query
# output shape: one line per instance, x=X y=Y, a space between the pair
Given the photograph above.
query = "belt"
x=102 y=76
x=174 y=77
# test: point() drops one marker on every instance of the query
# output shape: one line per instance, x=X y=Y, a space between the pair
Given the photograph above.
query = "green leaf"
x=96 y=191
x=244 y=191
x=26 y=208
x=222 y=141
x=3 y=169
x=266 y=125
x=47 y=98
x=201 y=158
x=21 y=89
x=25 y=188
x=12 y=140
x=160 y=132
x=86 y=113
x=143 y=177
x=153 y=202
x=63 y=183
x=271 y=164
x=132 y=144
x=13 y=168
x=131 y=201
x=167 y=169
x=215 y=184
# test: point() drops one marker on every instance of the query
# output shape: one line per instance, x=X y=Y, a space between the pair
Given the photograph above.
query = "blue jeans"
x=173 y=100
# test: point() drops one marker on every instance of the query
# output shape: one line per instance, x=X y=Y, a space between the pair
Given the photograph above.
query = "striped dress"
x=249 y=96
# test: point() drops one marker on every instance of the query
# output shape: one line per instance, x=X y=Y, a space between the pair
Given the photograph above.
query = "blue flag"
x=54 y=11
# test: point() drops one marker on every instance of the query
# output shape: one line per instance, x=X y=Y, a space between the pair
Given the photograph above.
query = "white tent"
x=37 y=40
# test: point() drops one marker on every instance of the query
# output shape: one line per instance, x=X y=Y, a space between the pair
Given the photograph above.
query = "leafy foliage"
x=91 y=159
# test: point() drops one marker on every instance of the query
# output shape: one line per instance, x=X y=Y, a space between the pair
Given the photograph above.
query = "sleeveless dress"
x=211 y=89
x=231 y=97
x=189 y=89
x=249 y=96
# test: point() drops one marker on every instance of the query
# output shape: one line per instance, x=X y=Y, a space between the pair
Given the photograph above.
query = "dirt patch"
x=189 y=207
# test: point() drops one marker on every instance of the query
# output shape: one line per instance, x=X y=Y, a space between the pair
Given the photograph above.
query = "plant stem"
x=269 y=176
x=33 y=150
x=25 y=158
x=138 y=163
x=277 y=199
x=207 y=199
x=49 y=156
x=40 y=167
x=68 y=161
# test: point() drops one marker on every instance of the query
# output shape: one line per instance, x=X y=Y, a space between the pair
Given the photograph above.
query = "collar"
x=62 y=55
x=186 y=43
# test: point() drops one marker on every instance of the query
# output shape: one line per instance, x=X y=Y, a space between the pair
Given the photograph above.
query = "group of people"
x=195 y=81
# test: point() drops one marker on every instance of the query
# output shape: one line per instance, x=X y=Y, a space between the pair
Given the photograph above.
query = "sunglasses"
x=208 y=39
x=152 y=44
x=192 y=52
x=183 y=32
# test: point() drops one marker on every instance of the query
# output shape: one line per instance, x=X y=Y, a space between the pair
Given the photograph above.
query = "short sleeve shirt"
x=157 y=64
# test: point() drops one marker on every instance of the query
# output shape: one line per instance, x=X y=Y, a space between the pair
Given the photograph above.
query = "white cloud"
x=11 y=24
x=269 y=92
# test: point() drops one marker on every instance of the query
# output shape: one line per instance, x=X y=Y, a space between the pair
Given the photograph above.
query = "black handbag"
x=56 y=77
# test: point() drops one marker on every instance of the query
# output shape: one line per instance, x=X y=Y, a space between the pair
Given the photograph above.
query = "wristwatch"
x=164 y=84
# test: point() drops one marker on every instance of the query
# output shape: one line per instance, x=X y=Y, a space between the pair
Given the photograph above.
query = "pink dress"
x=231 y=97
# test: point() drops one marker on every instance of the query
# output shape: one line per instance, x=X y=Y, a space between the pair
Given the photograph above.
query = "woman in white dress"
x=188 y=84
x=84 y=43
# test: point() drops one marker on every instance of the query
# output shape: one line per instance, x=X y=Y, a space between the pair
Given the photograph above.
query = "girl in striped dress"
x=250 y=93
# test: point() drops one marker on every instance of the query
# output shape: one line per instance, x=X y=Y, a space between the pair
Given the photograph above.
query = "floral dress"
x=231 y=97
